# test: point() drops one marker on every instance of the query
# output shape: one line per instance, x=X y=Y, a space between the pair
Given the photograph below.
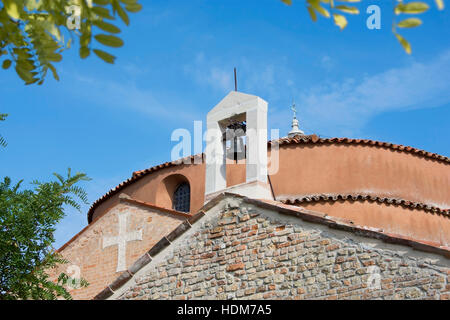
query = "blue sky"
x=177 y=63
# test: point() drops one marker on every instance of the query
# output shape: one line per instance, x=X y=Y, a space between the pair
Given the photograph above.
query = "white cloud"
x=343 y=108
x=333 y=109
x=327 y=63
x=252 y=76
x=206 y=72
x=219 y=78
x=128 y=96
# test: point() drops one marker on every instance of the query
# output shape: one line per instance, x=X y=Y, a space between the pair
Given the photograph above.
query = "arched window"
x=182 y=198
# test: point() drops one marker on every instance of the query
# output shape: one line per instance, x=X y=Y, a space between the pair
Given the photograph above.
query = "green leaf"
x=340 y=20
x=312 y=13
x=136 y=7
x=109 y=40
x=26 y=64
x=347 y=9
x=108 y=27
x=84 y=52
x=317 y=7
x=34 y=31
x=409 y=23
x=411 y=8
x=6 y=64
x=288 y=2
x=405 y=44
x=53 y=69
x=55 y=57
x=440 y=4
x=12 y=10
x=123 y=15
x=28 y=220
x=102 y=12
x=25 y=75
x=105 y=56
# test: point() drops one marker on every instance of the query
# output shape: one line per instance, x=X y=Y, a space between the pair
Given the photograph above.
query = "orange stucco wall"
x=309 y=169
x=158 y=187
x=167 y=188
x=306 y=169
x=236 y=172
x=351 y=169
x=411 y=223
x=150 y=189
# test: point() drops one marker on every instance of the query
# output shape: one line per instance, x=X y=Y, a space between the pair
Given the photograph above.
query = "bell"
x=234 y=135
x=236 y=149
x=239 y=148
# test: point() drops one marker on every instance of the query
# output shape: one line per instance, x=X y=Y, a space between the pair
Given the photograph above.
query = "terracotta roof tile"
x=363 y=197
x=316 y=140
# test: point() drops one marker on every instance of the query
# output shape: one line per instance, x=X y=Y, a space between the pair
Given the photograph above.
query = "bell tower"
x=238 y=115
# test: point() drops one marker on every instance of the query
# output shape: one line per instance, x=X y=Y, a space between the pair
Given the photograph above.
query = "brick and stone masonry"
x=242 y=251
x=98 y=263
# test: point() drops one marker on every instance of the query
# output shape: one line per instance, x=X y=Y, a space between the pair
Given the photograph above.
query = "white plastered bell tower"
x=237 y=106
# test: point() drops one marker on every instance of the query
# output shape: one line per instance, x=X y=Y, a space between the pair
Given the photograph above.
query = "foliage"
x=338 y=9
x=34 y=33
x=2 y=140
x=27 y=225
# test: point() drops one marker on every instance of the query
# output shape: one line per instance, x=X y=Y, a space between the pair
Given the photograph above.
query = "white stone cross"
x=121 y=241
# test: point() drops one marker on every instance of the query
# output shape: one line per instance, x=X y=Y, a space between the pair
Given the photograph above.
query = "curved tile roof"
x=135 y=177
x=314 y=139
x=365 y=197
x=307 y=139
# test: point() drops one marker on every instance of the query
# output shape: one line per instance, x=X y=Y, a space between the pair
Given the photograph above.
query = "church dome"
x=381 y=185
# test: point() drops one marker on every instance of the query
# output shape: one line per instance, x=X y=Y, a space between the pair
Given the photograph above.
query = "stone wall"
x=248 y=253
x=89 y=259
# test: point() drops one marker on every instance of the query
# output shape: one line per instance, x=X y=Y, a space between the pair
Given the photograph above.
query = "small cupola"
x=295 y=129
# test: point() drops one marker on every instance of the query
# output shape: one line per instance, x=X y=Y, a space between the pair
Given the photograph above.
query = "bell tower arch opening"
x=239 y=121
